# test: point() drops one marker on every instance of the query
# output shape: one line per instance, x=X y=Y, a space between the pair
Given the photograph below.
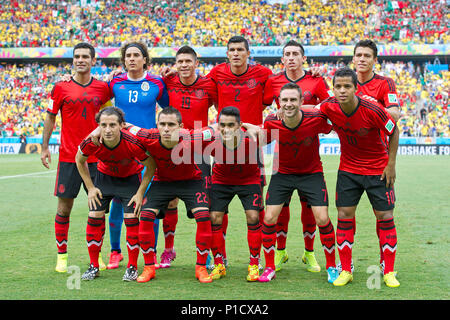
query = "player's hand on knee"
x=137 y=200
x=94 y=196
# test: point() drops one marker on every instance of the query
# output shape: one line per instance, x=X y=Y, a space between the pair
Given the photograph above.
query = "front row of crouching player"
x=367 y=164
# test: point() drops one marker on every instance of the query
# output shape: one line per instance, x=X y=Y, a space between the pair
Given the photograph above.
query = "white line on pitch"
x=27 y=174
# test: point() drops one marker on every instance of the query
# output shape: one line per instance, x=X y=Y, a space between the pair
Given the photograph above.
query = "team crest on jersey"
x=145 y=86
x=392 y=98
x=200 y=93
x=389 y=125
x=251 y=83
x=307 y=95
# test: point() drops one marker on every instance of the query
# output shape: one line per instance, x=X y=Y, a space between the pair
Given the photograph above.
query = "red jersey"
x=243 y=91
x=236 y=166
x=299 y=146
x=177 y=163
x=363 y=151
x=381 y=88
x=120 y=161
x=314 y=89
x=78 y=105
x=193 y=101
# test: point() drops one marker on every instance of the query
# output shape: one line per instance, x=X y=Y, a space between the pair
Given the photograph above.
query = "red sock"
x=328 y=240
x=147 y=236
x=203 y=237
x=217 y=243
x=282 y=227
x=344 y=240
x=169 y=225
x=132 y=225
x=354 y=225
x=224 y=234
x=254 y=242
x=388 y=243
x=309 y=226
x=61 y=232
x=269 y=237
x=94 y=238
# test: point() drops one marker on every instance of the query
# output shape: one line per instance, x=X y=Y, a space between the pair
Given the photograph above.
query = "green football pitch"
x=28 y=254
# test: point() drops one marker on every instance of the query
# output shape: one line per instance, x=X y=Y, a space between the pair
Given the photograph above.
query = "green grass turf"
x=28 y=254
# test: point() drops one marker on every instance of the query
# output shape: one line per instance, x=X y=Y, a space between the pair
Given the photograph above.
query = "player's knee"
x=217 y=217
x=383 y=215
x=173 y=203
x=252 y=216
x=64 y=206
x=96 y=214
x=320 y=215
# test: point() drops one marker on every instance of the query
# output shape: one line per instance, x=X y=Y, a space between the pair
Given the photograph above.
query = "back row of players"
x=362 y=108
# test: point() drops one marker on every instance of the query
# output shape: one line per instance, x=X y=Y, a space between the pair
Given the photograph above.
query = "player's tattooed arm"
x=49 y=124
x=389 y=171
x=255 y=132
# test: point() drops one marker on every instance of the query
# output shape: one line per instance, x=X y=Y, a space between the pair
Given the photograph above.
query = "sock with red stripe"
x=268 y=238
x=309 y=226
x=224 y=234
x=147 y=236
x=217 y=239
x=203 y=237
x=388 y=243
x=254 y=242
x=344 y=240
x=169 y=226
x=282 y=227
x=94 y=238
x=61 y=232
x=132 y=225
x=328 y=240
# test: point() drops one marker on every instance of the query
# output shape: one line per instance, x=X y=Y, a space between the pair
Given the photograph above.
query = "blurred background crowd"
x=24 y=88
x=46 y=23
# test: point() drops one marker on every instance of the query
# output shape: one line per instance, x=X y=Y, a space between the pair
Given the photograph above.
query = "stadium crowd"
x=43 y=23
x=423 y=96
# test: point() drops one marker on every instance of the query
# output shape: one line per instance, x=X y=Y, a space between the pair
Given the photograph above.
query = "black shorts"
x=192 y=192
x=311 y=187
x=222 y=194
x=123 y=189
x=350 y=187
x=68 y=179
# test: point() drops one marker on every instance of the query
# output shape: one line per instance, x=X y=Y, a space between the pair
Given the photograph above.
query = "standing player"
x=381 y=88
x=241 y=84
x=192 y=95
x=136 y=92
x=78 y=100
x=119 y=175
x=314 y=90
x=299 y=168
x=367 y=164
x=235 y=172
x=177 y=176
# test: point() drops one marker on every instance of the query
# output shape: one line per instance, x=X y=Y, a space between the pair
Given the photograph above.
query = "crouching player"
x=235 y=172
x=119 y=175
x=299 y=168
x=177 y=176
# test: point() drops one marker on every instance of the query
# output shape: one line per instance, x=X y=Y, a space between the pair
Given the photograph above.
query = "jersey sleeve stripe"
x=374 y=108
